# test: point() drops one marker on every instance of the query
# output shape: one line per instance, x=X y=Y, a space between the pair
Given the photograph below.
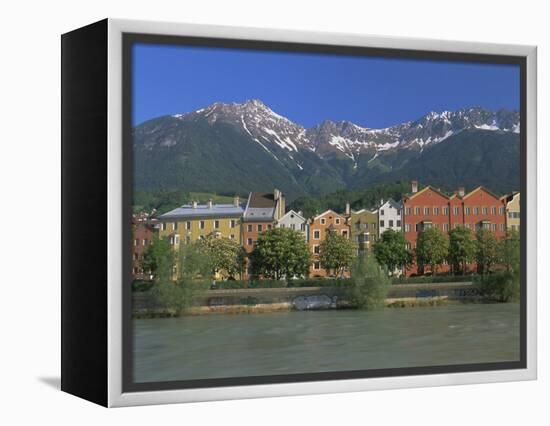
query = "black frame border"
x=128 y=41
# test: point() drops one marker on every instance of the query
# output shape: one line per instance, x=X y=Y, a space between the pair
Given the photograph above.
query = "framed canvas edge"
x=116 y=397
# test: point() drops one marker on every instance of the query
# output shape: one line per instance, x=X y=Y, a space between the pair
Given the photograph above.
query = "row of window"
x=513 y=215
x=202 y=224
x=293 y=226
x=418 y=227
x=317 y=234
x=259 y=227
x=359 y=225
x=143 y=242
x=456 y=210
x=336 y=220
x=398 y=212
x=390 y=224
x=175 y=239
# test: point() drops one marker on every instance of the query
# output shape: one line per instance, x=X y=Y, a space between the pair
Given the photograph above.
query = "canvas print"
x=303 y=214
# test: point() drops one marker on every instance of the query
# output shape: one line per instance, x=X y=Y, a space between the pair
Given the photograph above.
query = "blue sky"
x=309 y=88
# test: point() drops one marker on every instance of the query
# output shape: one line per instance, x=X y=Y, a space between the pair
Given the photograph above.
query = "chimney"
x=209 y=204
x=276 y=194
x=348 y=210
x=194 y=204
x=461 y=191
x=236 y=201
x=414 y=186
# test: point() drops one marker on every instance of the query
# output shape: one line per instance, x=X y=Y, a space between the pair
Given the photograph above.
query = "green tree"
x=509 y=251
x=462 y=248
x=369 y=283
x=487 y=250
x=391 y=250
x=336 y=253
x=280 y=252
x=159 y=258
x=432 y=248
x=227 y=257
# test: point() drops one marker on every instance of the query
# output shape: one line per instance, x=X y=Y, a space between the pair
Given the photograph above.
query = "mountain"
x=242 y=147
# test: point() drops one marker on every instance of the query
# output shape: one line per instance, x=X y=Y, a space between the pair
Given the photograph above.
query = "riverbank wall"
x=306 y=298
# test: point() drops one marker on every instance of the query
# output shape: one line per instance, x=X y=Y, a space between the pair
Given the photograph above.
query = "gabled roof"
x=327 y=212
x=292 y=212
x=392 y=203
x=425 y=189
x=509 y=197
x=480 y=188
x=260 y=207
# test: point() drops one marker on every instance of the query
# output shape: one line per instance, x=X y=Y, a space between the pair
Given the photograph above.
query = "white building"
x=294 y=221
x=389 y=216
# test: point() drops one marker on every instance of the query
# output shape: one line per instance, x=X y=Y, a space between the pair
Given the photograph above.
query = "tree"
x=509 y=251
x=336 y=253
x=159 y=259
x=462 y=248
x=280 y=252
x=391 y=250
x=432 y=248
x=369 y=283
x=486 y=250
x=227 y=256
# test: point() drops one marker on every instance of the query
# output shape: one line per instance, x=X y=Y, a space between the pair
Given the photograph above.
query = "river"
x=217 y=346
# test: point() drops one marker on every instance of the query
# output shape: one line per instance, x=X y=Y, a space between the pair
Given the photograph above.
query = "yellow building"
x=512 y=202
x=194 y=221
x=364 y=229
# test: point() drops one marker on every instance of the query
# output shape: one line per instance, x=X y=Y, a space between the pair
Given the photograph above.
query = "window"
x=502 y=227
x=144 y=241
x=417 y=211
x=436 y=211
x=176 y=239
x=345 y=233
x=293 y=226
x=249 y=228
x=381 y=212
x=316 y=249
x=317 y=265
x=476 y=210
x=201 y=224
x=468 y=210
x=408 y=246
x=502 y=210
x=418 y=227
x=436 y=225
x=399 y=224
x=381 y=224
x=249 y=241
x=398 y=212
x=494 y=210
x=232 y=237
x=175 y=226
x=163 y=226
x=494 y=226
x=323 y=221
x=187 y=239
x=188 y=225
x=337 y=220
x=456 y=211
x=233 y=223
x=408 y=211
x=303 y=226
x=269 y=226
x=171 y=240
x=136 y=242
x=445 y=226
x=390 y=223
x=426 y=210
x=316 y=234
x=485 y=210
x=260 y=227
x=407 y=227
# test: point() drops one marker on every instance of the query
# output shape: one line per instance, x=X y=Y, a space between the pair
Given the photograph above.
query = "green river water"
x=218 y=346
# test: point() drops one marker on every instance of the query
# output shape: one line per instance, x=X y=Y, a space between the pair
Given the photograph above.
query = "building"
x=363 y=225
x=319 y=227
x=430 y=207
x=483 y=209
x=262 y=211
x=512 y=206
x=294 y=221
x=192 y=222
x=143 y=231
x=389 y=216
x=424 y=209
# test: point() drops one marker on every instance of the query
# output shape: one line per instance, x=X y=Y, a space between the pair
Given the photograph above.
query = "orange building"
x=143 y=230
x=319 y=228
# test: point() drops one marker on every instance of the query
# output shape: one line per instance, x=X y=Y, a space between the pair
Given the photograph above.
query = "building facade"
x=512 y=206
x=319 y=228
x=363 y=225
x=295 y=221
x=262 y=211
x=143 y=232
x=483 y=209
x=192 y=222
x=389 y=216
